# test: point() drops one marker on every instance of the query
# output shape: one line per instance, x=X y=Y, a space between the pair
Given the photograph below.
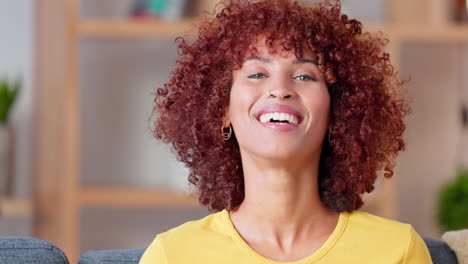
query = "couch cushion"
x=440 y=252
x=19 y=250
x=126 y=256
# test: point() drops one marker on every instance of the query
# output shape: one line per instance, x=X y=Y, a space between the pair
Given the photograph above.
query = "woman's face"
x=279 y=105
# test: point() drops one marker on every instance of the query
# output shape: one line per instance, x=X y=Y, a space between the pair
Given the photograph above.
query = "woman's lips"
x=280 y=126
x=283 y=127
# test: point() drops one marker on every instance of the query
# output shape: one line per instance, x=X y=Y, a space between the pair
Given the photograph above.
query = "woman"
x=284 y=113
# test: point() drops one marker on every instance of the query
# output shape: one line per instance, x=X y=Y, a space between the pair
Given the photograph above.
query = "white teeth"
x=282 y=116
x=265 y=118
x=276 y=116
x=293 y=120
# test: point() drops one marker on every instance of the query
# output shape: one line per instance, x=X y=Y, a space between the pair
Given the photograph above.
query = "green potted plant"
x=452 y=213
x=8 y=95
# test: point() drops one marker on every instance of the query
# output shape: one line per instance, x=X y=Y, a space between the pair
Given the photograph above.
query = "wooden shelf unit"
x=453 y=33
x=118 y=197
x=131 y=29
x=13 y=208
x=58 y=194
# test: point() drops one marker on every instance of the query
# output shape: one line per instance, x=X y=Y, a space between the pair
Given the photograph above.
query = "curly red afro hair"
x=366 y=109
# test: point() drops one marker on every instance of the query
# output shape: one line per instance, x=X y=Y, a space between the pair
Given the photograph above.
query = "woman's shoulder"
x=370 y=227
x=192 y=238
x=376 y=239
x=401 y=240
x=373 y=225
x=372 y=220
x=206 y=227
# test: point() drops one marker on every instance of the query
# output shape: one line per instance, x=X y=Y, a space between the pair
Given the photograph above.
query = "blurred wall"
x=436 y=140
x=17 y=60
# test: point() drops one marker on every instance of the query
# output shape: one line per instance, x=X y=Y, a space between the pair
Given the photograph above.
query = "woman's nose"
x=281 y=89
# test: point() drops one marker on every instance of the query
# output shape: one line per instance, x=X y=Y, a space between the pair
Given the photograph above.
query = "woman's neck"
x=281 y=200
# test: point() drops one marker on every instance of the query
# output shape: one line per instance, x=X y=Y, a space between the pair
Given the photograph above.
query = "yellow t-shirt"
x=358 y=238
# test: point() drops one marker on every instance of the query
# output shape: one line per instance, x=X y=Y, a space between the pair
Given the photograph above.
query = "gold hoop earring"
x=226 y=135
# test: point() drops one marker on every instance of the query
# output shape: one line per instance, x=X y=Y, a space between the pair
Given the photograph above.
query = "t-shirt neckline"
x=329 y=243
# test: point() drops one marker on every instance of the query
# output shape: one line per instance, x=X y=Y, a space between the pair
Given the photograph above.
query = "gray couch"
x=19 y=250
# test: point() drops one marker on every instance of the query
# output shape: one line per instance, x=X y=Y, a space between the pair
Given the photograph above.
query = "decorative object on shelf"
x=141 y=10
x=167 y=10
x=453 y=203
x=461 y=11
x=8 y=95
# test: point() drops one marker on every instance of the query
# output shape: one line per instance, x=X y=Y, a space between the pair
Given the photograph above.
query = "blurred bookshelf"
x=60 y=30
x=60 y=195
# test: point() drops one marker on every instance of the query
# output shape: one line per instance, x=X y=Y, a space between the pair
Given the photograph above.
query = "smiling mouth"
x=279 y=118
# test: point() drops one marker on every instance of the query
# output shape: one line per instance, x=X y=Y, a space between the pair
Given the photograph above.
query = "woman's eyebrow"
x=259 y=58
x=302 y=61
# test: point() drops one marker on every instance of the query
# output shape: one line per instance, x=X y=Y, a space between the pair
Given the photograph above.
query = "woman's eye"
x=304 y=77
x=257 y=75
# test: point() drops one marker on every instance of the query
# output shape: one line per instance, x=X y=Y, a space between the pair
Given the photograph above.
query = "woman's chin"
x=281 y=153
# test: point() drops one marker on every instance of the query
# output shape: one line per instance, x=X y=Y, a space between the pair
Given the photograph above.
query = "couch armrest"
x=17 y=250
x=440 y=252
